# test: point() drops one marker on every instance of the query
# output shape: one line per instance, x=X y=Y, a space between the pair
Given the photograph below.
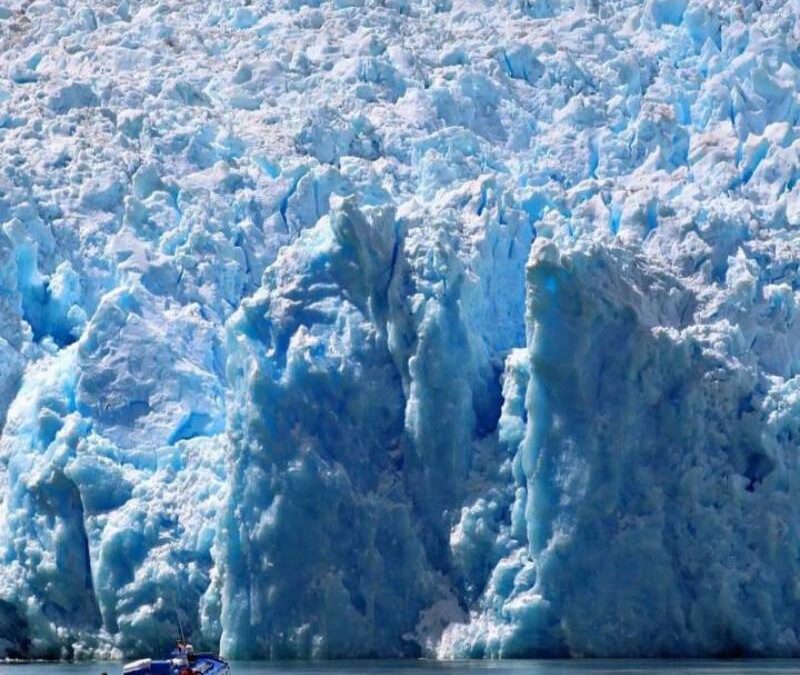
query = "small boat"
x=203 y=663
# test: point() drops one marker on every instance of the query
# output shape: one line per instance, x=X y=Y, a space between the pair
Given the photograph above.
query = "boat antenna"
x=180 y=627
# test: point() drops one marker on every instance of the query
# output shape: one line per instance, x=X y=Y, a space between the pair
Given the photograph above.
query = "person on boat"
x=182 y=653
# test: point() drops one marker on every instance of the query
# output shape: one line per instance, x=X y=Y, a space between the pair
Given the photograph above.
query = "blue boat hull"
x=199 y=664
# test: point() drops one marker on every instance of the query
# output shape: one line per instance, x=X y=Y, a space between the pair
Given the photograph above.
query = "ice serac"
x=654 y=486
x=311 y=534
x=332 y=537
x=106 y=530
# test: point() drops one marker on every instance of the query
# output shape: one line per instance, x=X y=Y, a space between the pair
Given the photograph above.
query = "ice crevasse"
x=347 y=328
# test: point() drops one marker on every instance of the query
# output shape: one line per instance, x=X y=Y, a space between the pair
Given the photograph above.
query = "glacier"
x=388 y=328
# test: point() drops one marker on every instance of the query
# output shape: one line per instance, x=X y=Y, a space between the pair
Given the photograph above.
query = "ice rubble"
x=349 y=328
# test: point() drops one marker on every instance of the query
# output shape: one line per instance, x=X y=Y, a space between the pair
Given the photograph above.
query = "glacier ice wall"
x=653 y=455
x=381 y=328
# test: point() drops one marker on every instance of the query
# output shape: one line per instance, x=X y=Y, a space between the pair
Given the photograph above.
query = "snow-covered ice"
x=395 y=327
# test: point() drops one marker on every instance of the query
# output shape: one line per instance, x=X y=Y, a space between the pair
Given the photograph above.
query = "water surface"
x=550 y=667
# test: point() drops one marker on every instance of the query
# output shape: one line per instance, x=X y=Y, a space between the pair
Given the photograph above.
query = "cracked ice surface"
x=357 y=327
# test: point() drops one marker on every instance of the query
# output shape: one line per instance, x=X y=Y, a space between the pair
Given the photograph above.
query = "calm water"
x=755 y=667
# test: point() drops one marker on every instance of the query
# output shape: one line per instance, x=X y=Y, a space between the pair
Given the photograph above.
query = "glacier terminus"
x=399 y=328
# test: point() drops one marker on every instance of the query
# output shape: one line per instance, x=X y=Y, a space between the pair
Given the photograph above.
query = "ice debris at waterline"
x=383 y=328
